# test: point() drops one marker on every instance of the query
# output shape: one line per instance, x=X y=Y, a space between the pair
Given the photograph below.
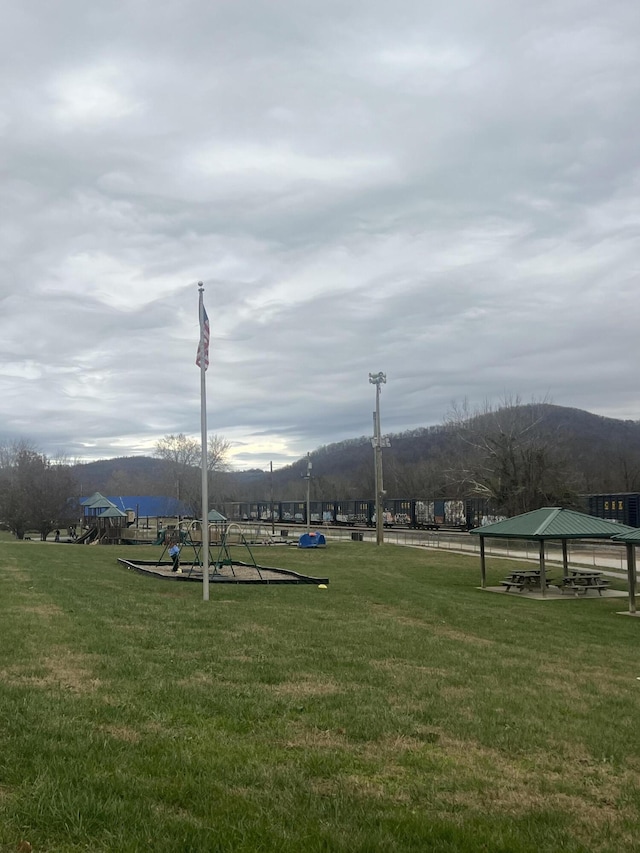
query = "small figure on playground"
x=174 y=553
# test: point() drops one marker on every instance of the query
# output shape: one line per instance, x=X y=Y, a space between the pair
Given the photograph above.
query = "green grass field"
x=402 y=709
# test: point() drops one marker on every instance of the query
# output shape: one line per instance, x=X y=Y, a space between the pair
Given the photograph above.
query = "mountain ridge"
x=605 y=451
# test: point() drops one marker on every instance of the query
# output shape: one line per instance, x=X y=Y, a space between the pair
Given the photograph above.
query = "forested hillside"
x=552 y=451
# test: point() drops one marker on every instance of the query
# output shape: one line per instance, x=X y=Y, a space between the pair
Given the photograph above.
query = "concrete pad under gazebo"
x=546 y=523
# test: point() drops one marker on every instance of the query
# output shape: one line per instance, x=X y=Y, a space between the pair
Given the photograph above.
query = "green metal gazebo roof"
x=112 y=512
x=214 y=516
x=553 y=522
x=633 y=536
x=96 y=501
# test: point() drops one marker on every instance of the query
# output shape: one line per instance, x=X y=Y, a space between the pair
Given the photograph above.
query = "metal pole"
x=378 y=379
x=271 y=497
x=203 y=433
x=376 y=475
x=308 y=477
x=379 y=485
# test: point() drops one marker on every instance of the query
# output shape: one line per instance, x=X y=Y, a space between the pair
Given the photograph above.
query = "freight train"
x=419 y=514
x=409 y=513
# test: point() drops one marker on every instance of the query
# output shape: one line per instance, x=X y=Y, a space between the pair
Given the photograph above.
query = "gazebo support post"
x=565 y=560
x=631 y=571
x=543 y=575
x=483 y=565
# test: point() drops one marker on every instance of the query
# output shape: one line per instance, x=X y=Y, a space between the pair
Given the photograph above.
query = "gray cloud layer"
x=446 y=192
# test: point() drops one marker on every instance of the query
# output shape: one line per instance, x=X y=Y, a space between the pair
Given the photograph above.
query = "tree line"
x=36 y=493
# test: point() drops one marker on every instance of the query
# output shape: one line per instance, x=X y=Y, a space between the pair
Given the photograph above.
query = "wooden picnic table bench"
x=523 y=580
x=580 y=581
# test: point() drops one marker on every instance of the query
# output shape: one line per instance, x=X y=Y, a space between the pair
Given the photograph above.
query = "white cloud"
x=88 y=96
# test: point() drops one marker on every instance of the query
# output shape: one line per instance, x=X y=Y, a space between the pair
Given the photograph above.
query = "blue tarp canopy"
x=152 y=506
x=142 y=505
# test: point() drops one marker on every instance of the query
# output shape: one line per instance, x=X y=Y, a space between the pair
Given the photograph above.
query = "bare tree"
x=508 y=456
x=217 y=453
x=183 y=455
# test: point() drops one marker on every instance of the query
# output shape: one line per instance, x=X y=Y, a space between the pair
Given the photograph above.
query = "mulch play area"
x=236 y=572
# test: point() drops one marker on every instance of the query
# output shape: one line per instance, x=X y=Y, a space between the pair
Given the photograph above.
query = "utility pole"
x=271 y=497
x=378 y=379
x=307 y=477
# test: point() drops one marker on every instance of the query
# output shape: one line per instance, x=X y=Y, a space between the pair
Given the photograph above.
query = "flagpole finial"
x=200 y=286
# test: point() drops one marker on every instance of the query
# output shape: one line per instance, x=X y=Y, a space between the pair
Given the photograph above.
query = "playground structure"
x=312 y=540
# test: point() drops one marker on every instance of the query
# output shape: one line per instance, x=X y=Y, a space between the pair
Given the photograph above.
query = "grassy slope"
x=401 y=709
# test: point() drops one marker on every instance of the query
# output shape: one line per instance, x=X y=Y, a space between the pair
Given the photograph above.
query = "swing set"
x=191 y=538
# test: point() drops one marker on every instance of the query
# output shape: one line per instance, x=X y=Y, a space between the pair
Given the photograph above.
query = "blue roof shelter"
x=152 y=506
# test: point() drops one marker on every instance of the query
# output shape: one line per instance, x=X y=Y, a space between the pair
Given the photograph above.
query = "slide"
x=87 y=537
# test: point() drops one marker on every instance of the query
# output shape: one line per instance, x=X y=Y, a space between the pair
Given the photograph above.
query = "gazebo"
x=216 y=517
x=549 y=522
x=218 y=522
x=630 y=539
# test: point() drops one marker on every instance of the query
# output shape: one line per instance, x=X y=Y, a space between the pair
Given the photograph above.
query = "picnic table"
x=580 y=581
x=523 y=580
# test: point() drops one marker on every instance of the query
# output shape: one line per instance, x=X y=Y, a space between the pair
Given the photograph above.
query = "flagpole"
x=203 y=356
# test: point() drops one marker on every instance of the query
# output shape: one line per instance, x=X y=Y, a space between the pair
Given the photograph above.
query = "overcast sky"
x=446 y=192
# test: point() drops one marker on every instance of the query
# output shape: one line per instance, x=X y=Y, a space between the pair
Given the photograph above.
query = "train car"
x=397 y=512
x=479 y=512
x=354 y=513
x=454 y=514
x=328 y=512
x=434 y=514
x=315 y=512
x=268 y=508
x=234 y=511
x=293 y=512
x=252 y=511
x=424 y=517
x=623 y=507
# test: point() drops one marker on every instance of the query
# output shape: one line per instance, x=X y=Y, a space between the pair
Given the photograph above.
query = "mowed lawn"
x=401 y=709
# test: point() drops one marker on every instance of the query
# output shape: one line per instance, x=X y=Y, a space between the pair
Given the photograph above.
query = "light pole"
x=378 y=379
x=307 y=477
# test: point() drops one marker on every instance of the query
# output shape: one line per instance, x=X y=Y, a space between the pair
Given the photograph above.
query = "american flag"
x=203 y=346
